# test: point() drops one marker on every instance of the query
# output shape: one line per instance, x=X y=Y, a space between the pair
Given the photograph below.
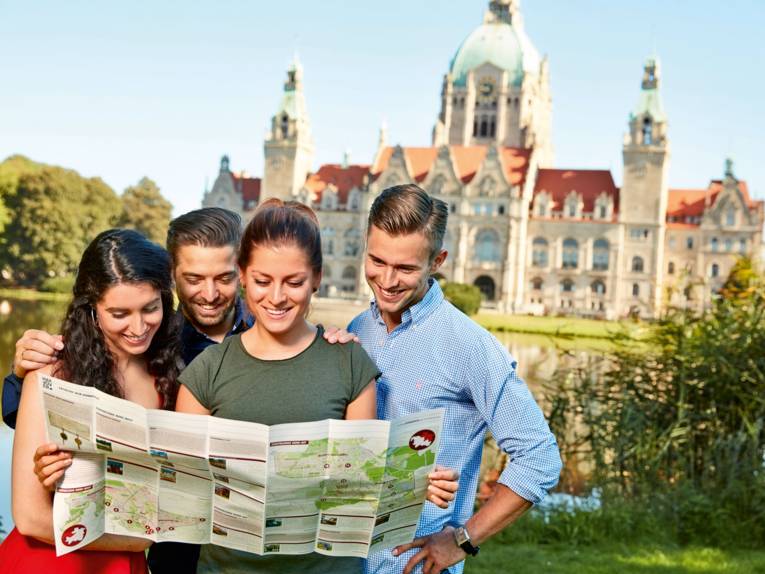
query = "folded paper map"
x=341 y=488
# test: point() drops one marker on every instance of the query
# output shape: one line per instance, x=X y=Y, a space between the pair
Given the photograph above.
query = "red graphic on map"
x=422 y=439
x=73 y=535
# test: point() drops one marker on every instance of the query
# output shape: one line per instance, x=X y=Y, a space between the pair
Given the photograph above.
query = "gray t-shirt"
x=314 y=385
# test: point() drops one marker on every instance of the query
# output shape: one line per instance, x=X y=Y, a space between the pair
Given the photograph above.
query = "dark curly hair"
x=113 y=257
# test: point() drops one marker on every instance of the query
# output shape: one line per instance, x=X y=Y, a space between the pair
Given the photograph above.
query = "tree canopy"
x=49 y=214
x=145 y=210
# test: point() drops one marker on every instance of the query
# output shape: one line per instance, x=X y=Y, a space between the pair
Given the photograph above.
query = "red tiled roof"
x=467 y=161
x=344 y=179
x=588 y=183
x=683 y=203
x=248 y=187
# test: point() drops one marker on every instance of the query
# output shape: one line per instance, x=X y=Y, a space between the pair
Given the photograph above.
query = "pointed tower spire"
x=289 y=148
x=507 y=11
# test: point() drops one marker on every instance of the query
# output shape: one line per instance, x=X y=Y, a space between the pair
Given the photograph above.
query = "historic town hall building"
x=532 y=237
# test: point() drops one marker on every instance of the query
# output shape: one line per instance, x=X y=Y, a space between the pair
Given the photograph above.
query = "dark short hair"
x=277 y=222
x=404 y=209
x=206 y=227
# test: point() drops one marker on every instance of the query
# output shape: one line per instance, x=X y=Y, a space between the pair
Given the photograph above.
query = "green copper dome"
x=498 y=43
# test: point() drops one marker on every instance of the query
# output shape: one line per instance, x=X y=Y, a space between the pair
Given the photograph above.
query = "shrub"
x=58 y=284
x=467 y=298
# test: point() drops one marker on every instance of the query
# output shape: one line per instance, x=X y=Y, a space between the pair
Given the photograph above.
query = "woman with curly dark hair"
x=122 y=338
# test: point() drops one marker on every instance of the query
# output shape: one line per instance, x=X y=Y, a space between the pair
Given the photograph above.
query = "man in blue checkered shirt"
x=432 y=355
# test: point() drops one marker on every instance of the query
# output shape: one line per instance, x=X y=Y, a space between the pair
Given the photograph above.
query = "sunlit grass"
x=497 y=557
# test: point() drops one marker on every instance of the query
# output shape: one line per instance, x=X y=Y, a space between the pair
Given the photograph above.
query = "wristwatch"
x=462 y=538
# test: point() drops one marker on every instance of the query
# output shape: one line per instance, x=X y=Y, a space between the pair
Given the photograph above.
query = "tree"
x=56 y=212
x=742 y=281
x=145 y=210
x=467 y=298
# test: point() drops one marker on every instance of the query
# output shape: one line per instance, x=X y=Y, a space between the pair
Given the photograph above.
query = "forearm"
x=116 y=542
x=502 y=509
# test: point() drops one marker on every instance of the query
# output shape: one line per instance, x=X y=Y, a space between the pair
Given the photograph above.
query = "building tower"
x=288 y=149
x=497 y=89
x=643 y=197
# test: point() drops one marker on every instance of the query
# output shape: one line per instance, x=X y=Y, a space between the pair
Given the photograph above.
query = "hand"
x=50 y=464
x=443 y=486
x=439 y=551
x=35 y=350
x=334 y=335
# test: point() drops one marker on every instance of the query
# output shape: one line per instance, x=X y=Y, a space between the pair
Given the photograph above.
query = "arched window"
x=637 y=264
x=598 y=287
x=328 y=241
x=570 y=253
x=285 y=126
x=354 y=201
x=647 y=131
x=349 y=273
x=437 y=185
x=715 y=244
x=742 y=245
x=541 y=205
x=484 y=127
x=671 y=268
x=539 y=250
x=635 y=290
x=537 y=284
x=487 y=246
x=352 y=239
x=600 y=250
x=567 y=286
x=572 y=205
x=730 y=217
x=715 y=270
x=728 y=244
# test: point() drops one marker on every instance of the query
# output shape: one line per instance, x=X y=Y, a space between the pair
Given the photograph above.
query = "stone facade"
x=534 y=239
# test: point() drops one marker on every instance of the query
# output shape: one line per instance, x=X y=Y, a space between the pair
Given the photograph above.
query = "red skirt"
x=22 y=555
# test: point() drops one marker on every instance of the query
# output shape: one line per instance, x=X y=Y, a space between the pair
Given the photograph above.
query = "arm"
x=519 y=427
x=35 y=350
x=188 y=403
x=365 y=405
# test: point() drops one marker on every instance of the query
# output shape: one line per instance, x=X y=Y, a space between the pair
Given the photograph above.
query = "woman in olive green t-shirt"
x=281 y=370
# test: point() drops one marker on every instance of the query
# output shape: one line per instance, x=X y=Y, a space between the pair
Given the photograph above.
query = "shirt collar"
x=243 y=320
x=420 y=310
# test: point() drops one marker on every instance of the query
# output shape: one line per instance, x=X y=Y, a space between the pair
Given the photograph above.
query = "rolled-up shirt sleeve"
x=515 y=421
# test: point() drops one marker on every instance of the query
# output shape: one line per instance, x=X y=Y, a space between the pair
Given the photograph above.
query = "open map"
x=343 y=488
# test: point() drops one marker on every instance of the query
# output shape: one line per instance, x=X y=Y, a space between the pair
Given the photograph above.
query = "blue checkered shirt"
x=439 y=357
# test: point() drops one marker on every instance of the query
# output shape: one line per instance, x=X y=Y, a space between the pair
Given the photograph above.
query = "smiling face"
x=279 y=282
x=206 y=279
x=129 y=315
x=397 y=268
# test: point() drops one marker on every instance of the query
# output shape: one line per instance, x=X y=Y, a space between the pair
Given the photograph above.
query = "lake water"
x=537 y=358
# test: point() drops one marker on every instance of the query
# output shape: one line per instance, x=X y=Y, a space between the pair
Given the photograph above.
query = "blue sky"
x=163 y=89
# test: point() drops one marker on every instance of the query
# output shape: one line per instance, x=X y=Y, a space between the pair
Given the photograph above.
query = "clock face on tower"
x=487 y=89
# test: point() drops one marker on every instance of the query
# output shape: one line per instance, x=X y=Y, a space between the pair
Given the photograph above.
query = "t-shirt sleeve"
x=363 y=370
x=197 y=377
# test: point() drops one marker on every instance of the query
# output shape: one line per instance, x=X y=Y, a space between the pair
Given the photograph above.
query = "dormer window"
x=730 y=217
x=540 y=205
x=572 y=205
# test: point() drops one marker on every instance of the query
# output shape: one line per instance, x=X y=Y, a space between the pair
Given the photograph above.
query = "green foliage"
x=56 y=212
x=742 y=281
x=467 y=298
x=58 y=284
x=677 y=427
x=145 y=210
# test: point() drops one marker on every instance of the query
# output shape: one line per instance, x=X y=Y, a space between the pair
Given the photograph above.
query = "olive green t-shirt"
x=314 y=385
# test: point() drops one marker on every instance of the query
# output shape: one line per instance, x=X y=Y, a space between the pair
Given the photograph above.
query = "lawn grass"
x=561 y=326
x=499 y=557
x=33 y=295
